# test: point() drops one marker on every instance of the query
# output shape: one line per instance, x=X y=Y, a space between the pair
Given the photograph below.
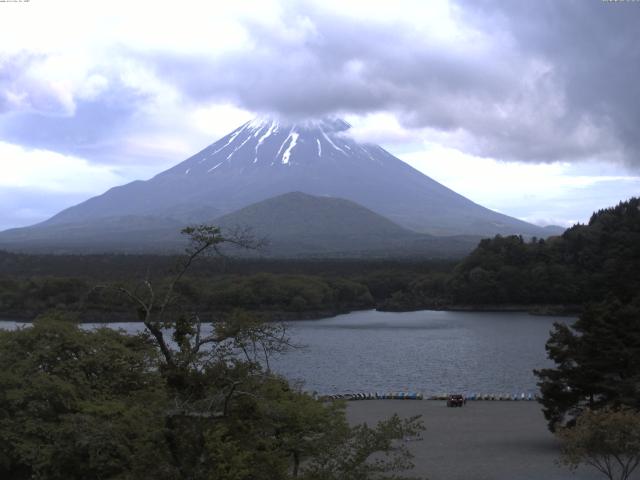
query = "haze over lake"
x=428 y=351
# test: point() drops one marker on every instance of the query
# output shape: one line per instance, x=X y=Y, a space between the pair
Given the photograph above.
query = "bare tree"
x=255 y=339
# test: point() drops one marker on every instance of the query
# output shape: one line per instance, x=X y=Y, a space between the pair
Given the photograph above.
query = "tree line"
x=586 y=263
x=32 y=285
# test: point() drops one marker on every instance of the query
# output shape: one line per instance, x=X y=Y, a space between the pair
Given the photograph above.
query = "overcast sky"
x=530 y=108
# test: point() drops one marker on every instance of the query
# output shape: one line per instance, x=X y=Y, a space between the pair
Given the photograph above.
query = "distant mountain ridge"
x=297 y=214
x=294 y=224
x=265 y=158
x=297 y=224
x=120 y=234
x=260 y=160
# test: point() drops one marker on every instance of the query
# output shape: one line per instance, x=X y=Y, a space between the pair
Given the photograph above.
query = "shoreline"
x=284 y=316
x=123 y=317
x=533 y=309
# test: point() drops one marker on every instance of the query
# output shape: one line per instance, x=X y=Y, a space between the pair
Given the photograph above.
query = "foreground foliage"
x=181 y=401
x=78 y=404
x=103 y=404
x=607 y=440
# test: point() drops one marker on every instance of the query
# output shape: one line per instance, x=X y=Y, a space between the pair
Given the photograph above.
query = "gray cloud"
x=20 y=92
x=558 y=80
x=547 y=81
x=344 y=67
x=593 y=47
x=93 y=129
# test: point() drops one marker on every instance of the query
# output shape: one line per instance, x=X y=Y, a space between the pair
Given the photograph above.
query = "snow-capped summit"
x=265 y=157
x=269 y=142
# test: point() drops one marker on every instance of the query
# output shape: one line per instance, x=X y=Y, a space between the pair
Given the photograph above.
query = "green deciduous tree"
x=182 y=401
x=363 y=453
x=77 y=404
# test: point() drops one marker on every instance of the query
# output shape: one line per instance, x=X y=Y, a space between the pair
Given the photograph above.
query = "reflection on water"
x=428 y=351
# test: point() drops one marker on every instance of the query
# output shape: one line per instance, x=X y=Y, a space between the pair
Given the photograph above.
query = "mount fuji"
x=265 y=158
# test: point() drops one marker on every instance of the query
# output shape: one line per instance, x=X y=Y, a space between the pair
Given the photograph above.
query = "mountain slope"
x=295 y=224
x=298 y=224
x=297 y=214
x=128 y=234
x=265 y=158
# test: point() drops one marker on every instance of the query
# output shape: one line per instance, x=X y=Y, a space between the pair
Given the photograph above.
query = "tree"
x=228 y=416
x=346 y=455
x=153 y=303
x=597 y=363
x=76 y=404
x=608 y=440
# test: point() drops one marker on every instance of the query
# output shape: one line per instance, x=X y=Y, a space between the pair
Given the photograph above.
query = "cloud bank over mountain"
x=544 y=81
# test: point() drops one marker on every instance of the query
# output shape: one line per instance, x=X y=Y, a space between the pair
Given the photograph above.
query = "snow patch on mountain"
x=238 y=147
x=214 y=167
x=331 y=142
x=294 y=139
x=273 y=128
x=231 y=139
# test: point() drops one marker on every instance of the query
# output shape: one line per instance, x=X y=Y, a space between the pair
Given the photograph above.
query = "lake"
x=428 y=351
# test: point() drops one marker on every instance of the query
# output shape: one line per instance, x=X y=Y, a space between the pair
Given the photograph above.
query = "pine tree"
x=597 y=362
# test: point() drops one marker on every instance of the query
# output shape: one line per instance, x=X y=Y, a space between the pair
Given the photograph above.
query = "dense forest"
x=587 y=263
x=33 y=284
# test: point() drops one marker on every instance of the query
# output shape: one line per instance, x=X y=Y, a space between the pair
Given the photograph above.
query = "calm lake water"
x=427 y=351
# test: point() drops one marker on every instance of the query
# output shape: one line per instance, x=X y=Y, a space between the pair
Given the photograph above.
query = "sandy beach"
x=488 y=440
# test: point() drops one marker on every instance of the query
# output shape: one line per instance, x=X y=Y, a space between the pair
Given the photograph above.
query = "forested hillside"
x=587 y=263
